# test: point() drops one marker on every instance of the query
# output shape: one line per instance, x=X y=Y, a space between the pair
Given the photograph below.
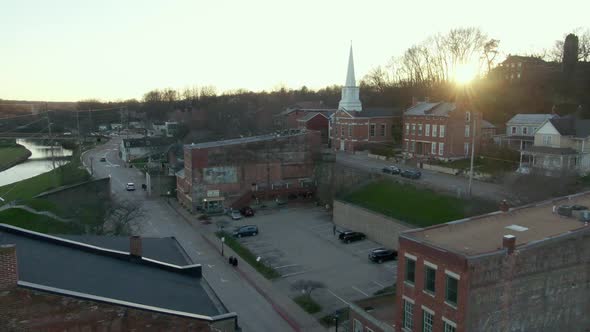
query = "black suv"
x=412 y=174
x=247 y=211
x=381 y=255
x=391 y=170
x=249 y=230
x=348 y=237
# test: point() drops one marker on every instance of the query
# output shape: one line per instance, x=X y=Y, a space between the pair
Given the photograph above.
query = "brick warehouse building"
x=219 y=174
x=440 y=130
x=521 y=269
x=352 y=127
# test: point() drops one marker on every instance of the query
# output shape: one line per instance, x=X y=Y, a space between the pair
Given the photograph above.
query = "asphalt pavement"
x=256 y=311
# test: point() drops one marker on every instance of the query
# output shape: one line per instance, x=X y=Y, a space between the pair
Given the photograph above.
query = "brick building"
x=521 y=269
x=518 y=69
x=373 y=314
x=218 y=174
x=318 y=121
x=352 y=127
x=440 y=130
x=99 y=283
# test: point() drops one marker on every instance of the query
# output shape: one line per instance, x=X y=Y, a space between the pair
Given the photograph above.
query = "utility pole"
x=472 y=154
x=50 y=137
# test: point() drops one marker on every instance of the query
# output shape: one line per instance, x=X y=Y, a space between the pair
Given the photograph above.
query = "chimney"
x=509 y=243
x=135 y=248
x=8 y=267
x=427 y=99
x=504 y=207
x=414 y=101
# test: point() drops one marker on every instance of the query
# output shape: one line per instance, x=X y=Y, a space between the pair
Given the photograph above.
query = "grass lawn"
x=10 y=154
x=420 y=207
x=37 y=223
x=308 y=304
x=267 y=271
x=68 y=174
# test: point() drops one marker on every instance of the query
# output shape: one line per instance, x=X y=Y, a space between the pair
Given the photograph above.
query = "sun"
x=465 y=73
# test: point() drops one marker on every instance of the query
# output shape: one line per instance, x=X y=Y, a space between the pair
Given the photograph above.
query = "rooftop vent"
x=509 y=243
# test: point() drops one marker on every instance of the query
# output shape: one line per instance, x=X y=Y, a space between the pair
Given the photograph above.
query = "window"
x=430 y=279
x=372 y=130
x=434 y=128
x=467 y=128
x=341 y=131
x=427 y=321
x=407 y=129
x=413 y=129
x=525 y=130
x=407 y=145
x=410 y=270
x=433 y=148
x=420 y=130
x=349 y=130
x=441 y=149
x=518 y=75
x=449 y=326
x=451 y=290
x=358 y=326
x=513 y=130
x=408 y=319
x=546 y=140
x=382 y=130
x=441 y=131
x=534 y=130
x=467 y=116
x=413 y=146
x=466 y=148
x=520 y=65
x=427 y=131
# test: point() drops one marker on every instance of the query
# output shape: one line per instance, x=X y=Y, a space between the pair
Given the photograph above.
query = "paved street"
x=300 y=244
x=256 y=313
x=445 y=182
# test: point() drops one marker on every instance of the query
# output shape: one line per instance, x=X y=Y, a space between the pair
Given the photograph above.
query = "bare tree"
x=307 y=286
x=120 y=217
x=490 y=52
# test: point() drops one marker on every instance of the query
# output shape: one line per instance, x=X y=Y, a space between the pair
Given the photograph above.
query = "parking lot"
x=300 y=244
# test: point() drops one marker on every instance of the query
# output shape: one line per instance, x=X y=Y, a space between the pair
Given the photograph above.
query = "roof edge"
x=191 y=270
x=134 y=305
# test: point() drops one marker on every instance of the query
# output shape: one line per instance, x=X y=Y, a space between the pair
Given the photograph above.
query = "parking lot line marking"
x=293 y=274
x=360 y=291
x=322 y=225
x=280 y=267
x=338 y=297
x=378 y=284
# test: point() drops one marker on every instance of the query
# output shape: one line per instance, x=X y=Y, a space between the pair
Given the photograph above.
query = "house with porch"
x=521 y=128
x=560 y=145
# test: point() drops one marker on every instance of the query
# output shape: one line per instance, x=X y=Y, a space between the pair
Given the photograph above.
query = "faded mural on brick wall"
x=217 y=175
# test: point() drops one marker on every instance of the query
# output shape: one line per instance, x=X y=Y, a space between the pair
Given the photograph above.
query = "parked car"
x=247 y=211
x=249 y=230
x=381 y=255
x=411 y=174
x=343 y=234
x=103 y=159
x=130 y=186
x=352 y=237
x=234 y=214
x=391 y=170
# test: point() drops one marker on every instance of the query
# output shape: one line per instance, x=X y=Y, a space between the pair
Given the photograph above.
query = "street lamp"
x=222 y=242
x=336 y=316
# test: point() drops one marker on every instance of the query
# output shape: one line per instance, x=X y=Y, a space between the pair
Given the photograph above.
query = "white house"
x=133 y=148
x=521 y=128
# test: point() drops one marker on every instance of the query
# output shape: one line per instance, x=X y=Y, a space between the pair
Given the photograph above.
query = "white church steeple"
x=349 y=101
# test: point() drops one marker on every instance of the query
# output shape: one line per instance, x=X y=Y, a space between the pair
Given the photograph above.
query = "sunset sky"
x=116 y=49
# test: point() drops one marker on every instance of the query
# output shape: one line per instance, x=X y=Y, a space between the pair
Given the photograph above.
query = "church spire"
x=350 y=80
x=349 y=100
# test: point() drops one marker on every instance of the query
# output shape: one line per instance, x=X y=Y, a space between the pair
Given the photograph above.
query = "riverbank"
x=13 y=155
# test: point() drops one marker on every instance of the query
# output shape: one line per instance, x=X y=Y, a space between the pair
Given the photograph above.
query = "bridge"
x=45 y=136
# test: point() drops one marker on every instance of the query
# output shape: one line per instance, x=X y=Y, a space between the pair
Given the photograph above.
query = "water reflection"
x=39 y=162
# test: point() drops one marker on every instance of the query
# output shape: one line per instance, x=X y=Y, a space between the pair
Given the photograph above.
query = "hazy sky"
x=117 y=49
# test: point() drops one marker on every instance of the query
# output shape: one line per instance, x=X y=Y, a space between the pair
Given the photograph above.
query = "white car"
x=130 y=186
x=235 y=214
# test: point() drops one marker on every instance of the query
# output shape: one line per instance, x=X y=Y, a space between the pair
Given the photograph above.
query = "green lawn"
x=420 y=207
x=308 y=304
x=10 y=154
x=68 y=174
x=267 y=271
x=37 y=223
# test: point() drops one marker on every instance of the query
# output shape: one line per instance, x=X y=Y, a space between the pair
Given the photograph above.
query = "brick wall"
x=8 y=266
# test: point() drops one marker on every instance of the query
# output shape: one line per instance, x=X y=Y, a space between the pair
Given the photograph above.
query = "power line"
x=22 y=116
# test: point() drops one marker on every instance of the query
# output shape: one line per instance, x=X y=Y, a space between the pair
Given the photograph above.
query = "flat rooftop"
x=59 y=265
x=483 y=234
x=381 y=307
x=243 y=140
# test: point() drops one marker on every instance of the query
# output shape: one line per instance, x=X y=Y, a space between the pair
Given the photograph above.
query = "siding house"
x=560 y=145
x=521 y=128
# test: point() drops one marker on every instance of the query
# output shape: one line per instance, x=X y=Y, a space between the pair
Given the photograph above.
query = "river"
x=38 y=163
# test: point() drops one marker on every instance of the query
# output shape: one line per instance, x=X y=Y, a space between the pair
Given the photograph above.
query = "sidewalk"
x=298 y=319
